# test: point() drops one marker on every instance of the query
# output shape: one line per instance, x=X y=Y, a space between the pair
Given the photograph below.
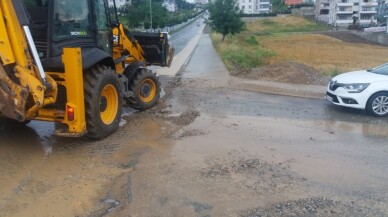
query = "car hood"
x=362 y=76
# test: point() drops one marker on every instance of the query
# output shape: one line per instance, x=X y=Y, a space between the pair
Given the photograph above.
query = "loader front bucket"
x=157 y=50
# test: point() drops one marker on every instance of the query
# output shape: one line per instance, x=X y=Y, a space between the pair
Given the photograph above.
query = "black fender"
x=90 y=58
x=131 y=69
x=94 y=56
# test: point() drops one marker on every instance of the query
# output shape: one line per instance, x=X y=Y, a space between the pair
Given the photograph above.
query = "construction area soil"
x=297 y=72
x=287 y=72
x=349 y=37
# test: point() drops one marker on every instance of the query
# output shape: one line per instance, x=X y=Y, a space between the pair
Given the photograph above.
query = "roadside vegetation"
x=276 y=40
x=224 y=17
x=241 y=52
x=137 y=14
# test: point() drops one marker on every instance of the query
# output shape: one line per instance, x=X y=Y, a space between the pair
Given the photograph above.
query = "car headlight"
x=355 y=88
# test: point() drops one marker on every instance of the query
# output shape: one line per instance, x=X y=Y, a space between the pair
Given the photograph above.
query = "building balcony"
x=344 y=21
x=345 y=4
x=368 y=3
x=344 y=12
x=368 y=12
x=367 y=21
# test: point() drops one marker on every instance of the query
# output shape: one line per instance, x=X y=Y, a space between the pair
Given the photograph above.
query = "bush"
x=242 y=58
x=335 y=72
x=251 y=40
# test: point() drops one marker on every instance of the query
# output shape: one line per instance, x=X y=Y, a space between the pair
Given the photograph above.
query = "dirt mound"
x=349 y=37
x=287 y=72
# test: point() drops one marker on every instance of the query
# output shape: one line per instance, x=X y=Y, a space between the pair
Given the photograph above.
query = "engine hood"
x=362 y=76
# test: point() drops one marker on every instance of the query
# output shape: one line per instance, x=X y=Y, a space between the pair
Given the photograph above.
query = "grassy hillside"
x=294 y=38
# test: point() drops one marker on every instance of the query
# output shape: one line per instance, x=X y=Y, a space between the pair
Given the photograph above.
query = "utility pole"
x=151 y=12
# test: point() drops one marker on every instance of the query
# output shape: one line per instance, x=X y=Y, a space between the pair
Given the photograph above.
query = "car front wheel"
x=378 y=104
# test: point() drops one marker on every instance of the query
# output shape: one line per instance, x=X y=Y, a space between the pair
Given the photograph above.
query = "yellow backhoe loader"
x=68 y=61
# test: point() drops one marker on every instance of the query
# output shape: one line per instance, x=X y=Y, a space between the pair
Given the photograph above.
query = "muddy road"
x=206 y=149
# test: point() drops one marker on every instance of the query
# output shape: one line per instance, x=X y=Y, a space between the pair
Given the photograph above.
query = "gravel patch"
x=315 y=206
x=260 y=176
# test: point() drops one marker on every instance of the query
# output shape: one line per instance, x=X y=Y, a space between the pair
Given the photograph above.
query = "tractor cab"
x=56 y=24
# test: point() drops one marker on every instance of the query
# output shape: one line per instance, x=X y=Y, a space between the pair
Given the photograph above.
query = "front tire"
x=146 y=88
x=103 y=102
x=378 y=104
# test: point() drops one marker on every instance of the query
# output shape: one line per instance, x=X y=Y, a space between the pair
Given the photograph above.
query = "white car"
x=365 y=89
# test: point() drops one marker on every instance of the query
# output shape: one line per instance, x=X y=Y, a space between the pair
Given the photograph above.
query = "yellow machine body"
x=28 y=92
x=23 y=95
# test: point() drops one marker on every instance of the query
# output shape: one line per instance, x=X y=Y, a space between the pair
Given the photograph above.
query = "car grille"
x=333 y=85
x=335 y=99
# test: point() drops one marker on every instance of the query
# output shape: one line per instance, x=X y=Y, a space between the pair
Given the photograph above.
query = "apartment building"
x=119 y=3
x=170 y=5
x=342 y=13
x=255 y=6
x=201 y=2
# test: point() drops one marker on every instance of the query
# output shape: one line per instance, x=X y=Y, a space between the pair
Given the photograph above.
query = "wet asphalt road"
x=180 y=38
x=206 y=150
x=41 y=134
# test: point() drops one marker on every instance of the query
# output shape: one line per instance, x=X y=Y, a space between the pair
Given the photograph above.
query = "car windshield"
x=382 y=70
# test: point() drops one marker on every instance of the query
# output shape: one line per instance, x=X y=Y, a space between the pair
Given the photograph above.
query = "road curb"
x=296 y=90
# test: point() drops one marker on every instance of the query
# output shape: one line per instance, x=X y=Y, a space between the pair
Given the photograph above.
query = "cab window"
x=71 y=19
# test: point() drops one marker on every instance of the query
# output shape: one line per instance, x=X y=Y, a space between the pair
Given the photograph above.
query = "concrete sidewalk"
x=205 y=53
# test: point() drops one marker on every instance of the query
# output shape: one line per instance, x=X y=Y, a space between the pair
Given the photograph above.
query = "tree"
x=278 y=6
x=224 y=17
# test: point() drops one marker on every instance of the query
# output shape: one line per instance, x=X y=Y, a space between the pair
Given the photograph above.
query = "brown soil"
x=299 y=73
x=287 y=72
x=349 y=37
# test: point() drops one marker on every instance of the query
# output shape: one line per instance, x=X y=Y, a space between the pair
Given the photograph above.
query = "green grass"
x=268 y=22
x=335 y=72
x=244 y=51
x=276 y=28
x=270 y=26
x=241 y=51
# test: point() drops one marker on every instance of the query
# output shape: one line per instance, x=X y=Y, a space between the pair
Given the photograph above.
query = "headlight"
x=355 y=88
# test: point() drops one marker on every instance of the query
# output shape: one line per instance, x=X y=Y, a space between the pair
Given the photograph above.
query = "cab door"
x=104 y=31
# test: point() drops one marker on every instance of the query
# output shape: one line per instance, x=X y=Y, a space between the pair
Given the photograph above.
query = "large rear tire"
x=146 y=88
x=103 y=102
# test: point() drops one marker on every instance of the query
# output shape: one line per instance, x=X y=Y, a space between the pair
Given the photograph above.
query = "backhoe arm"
x=21 y=72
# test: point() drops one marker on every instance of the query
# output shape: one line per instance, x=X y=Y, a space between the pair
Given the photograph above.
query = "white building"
x=119 y=3
x=255 y=6
x=342 y=13
x=170 y=5
x=201 y=2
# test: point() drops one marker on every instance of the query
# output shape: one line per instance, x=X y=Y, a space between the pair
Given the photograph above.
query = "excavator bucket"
x=157 y=50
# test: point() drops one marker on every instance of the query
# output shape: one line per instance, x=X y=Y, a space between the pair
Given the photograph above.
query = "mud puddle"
x=45 y=175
